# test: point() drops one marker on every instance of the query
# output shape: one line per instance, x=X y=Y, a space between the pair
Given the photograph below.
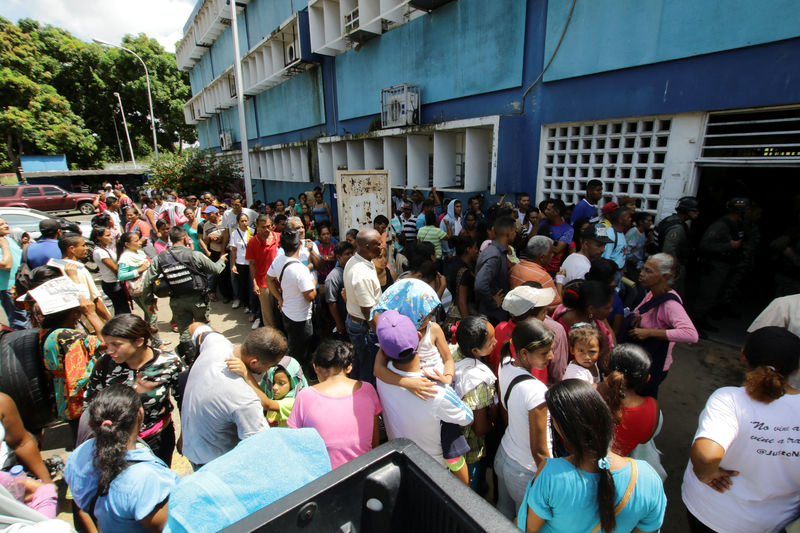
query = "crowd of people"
x=522 y=343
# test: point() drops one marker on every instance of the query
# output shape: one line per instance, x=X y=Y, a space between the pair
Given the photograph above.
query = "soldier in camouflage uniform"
x=131 y=360
x=189 y=305
x=673 y=237
x=720 y=252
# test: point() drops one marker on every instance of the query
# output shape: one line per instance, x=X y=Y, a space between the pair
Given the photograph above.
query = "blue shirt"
x=133 y=494
x=7 y=276
x=567 y=498
x=616 y=249
x=42 y=251
x=583 y=210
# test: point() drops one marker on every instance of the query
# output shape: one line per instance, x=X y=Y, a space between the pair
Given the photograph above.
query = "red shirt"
x=502 y=333
x=263 y=254
x=636 y=427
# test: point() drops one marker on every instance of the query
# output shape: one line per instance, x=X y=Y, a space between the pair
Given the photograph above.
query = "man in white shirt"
x=231 y=217
x=219 y=408
x=298 y=288
x=73 y=250
x=593 y=241
x=362 y=288
x=406 y=415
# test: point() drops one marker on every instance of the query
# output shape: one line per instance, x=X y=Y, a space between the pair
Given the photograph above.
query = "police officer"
x=673 y=236
x=183 y=273
x=720 y=249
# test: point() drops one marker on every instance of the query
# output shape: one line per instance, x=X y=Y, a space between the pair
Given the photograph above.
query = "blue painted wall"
x=201 y=74
x=612 y=34
x=463 y=48
x=264 y=16
x=294 y=104
x=222 y=50
x=43 y=163
x=229 y=120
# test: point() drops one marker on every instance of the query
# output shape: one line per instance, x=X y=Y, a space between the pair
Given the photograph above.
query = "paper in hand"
x=56 y=295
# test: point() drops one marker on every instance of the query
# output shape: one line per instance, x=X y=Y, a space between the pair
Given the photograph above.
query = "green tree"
x=86 y=76
x=195 y=171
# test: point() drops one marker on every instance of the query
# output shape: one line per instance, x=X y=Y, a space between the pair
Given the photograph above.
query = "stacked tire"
x=24 y=378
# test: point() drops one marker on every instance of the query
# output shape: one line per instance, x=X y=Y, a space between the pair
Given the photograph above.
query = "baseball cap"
x=522 y=299
x=48 y=226
x=396 y=334
x=609 y=207
x=596 y=232
x=210 y=209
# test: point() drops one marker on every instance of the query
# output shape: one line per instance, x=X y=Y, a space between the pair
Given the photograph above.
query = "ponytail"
x=505 y=351
x=628 y=368
x=772 y=353
x=606 y=496
x=584 y=422
x=613 y=393
x=764 y=384
x=113 y=416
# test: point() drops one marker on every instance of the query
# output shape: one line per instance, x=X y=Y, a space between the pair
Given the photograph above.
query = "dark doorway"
x=776 y=190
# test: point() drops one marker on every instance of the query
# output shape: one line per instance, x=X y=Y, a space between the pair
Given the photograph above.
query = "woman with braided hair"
x=593 y=489
x=122 y=483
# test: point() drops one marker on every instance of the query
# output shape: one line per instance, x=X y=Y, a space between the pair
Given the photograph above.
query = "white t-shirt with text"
x=762 y=443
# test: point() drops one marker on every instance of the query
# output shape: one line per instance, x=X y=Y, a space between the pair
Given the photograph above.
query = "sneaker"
x=256 y=324
x=235 y=304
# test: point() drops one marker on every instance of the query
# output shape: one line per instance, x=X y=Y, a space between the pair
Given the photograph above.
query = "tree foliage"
x=195 y=171
x=57 y=96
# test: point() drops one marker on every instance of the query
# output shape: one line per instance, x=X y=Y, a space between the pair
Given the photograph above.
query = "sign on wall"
x=361 y=196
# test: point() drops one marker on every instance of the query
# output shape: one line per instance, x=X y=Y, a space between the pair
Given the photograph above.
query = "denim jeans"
x=365 y=344
x=512 y=481
x=17 y=318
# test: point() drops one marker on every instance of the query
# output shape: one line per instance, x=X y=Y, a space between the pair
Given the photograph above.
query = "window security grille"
x=626 y=155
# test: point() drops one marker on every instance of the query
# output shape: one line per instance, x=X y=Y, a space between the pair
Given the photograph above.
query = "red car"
x=46 y=198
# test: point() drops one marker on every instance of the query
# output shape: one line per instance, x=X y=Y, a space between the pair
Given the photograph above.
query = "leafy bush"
x=195 y=171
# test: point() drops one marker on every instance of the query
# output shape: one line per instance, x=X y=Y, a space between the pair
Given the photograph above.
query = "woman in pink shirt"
x=344 y=411
x=665 y=323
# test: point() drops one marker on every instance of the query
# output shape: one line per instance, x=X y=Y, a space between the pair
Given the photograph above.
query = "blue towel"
x=260 y=470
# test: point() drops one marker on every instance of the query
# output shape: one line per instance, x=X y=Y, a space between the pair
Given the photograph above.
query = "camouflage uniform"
x=675 y=241
x=717 y=260
x=186 y=308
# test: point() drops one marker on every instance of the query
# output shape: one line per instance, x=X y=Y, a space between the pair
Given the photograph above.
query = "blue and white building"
x=657 y=98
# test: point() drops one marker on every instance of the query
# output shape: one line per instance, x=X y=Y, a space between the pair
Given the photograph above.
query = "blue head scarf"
x=410 y=297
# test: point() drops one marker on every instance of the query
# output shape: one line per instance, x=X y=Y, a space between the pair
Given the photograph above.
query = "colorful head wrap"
x=410 y=297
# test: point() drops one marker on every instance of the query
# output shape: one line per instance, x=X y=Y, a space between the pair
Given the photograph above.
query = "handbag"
x=135 y=286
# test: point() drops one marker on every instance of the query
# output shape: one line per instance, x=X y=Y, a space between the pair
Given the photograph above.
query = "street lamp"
x=149 y=96
x=125 y=122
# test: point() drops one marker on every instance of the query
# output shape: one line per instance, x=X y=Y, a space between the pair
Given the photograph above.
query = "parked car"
x=46 y=198
x=28 y=220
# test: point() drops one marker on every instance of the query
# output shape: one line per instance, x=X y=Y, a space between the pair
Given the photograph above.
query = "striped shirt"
x=410 y=229
x=433 y=235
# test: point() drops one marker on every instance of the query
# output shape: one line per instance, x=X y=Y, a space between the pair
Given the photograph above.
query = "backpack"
x=178 y=275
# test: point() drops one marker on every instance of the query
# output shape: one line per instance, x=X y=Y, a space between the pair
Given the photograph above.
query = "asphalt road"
x=698 y=370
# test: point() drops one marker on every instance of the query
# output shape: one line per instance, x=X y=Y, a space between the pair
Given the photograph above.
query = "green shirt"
x=433 y=235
